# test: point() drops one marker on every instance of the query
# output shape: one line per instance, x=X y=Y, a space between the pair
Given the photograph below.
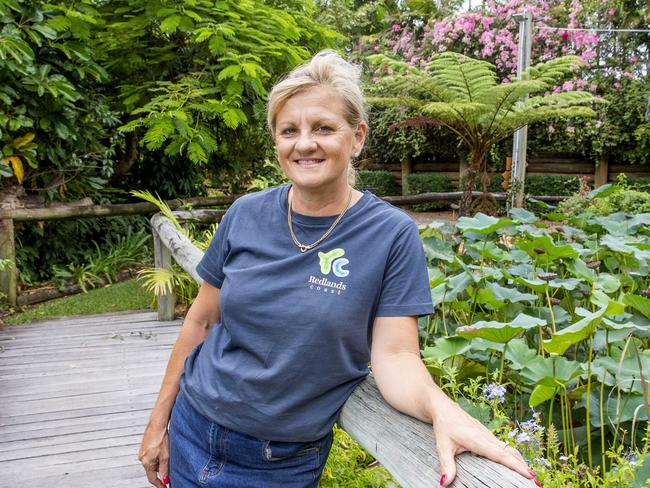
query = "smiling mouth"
x=308 y=162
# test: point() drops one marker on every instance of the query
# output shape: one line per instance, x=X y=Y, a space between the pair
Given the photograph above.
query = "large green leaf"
x=501 y=332
x=639 y=303
x=544 y=249
x=550 y=371
x=616 y=408
x=446 y=347
x=522 y=215
x=481 y=223
x=540 y=394
x=438 y=249
x=575 y=333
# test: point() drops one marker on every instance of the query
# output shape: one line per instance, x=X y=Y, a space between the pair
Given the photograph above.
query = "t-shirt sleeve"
x=210 y=268
x=405 y=288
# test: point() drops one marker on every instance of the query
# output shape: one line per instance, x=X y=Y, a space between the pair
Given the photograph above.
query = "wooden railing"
x=403 y=445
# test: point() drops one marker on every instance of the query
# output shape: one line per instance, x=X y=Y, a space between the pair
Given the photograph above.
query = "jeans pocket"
x=280 y=451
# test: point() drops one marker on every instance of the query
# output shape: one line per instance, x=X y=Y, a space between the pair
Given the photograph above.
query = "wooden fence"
x=8 y=276
x=402 y=444
x=538 y=165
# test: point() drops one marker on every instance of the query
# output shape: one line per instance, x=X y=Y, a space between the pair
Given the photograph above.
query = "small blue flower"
x=530 y=425
x=523 y=437
x=494 y=391
x=563 y=458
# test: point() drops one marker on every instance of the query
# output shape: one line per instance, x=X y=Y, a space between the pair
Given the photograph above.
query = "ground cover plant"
x=553 y=317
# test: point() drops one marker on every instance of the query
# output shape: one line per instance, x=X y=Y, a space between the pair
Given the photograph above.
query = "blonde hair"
x=326 y=68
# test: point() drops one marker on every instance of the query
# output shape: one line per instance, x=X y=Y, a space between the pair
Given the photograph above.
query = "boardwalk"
x=74 y=398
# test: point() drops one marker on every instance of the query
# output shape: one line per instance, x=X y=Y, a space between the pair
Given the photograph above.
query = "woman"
x=299 y=281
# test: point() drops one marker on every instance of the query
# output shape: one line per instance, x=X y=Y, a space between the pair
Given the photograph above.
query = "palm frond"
x=162 y=206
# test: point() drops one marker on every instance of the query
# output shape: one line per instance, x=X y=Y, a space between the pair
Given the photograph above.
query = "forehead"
x=317 y=102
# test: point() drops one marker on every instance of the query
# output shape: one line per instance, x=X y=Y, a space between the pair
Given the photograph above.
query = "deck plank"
x=77 y=392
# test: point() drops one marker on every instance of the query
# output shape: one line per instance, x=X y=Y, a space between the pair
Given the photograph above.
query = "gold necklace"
x=307 y=247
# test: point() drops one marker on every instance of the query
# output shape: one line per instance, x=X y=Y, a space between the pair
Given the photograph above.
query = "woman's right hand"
x=154 y=455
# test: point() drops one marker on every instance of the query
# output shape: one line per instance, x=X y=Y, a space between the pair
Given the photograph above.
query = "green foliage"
x=462 y=94
x=622 y=199
x=552 y=185
x=417 y=183
x=54 y=124
x=494 y=185
x=347 y=466
x=127 y=295
x=193 y=73
x=559 y=315
x=640 y=184
x=46 y=249
x=379 y=182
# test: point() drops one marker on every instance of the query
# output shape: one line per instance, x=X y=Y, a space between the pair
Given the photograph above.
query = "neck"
x=322 y=203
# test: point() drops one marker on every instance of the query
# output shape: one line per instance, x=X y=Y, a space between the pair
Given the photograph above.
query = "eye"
x=324 y=129
x=287 y=131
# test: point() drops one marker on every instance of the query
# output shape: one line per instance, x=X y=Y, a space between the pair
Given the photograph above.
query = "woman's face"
x=314 y=141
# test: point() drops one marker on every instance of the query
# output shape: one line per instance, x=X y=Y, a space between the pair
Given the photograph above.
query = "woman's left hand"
x=456 y=431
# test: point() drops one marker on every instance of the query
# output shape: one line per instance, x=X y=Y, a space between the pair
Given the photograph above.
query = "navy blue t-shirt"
x=295 y=330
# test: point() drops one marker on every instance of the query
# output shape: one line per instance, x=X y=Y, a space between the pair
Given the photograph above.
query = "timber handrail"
x=403 y=445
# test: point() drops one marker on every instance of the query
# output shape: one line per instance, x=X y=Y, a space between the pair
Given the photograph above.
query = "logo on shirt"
x=333 y=261
x=330 y=262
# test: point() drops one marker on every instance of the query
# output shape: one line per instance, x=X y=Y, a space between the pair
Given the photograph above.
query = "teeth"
x=309 y=161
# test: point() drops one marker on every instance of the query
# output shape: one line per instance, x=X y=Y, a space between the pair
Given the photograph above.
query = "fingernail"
x=532 y=473
x=537 y=483
x=443 y=478
x=166 y=479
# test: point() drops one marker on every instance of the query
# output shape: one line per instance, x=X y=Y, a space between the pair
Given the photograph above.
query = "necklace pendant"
x=304 y=248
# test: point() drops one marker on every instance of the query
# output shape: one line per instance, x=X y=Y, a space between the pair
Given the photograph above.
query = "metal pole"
x=520 y=140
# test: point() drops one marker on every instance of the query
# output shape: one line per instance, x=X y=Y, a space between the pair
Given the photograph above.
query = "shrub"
x=381 y=183
x=495 y=184
x=640 y=184
x=552 y=185
x=417 y=183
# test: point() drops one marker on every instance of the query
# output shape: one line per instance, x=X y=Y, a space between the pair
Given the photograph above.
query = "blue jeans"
x=206 y=454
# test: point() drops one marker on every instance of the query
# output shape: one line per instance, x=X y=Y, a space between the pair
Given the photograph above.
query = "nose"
x=306 y=142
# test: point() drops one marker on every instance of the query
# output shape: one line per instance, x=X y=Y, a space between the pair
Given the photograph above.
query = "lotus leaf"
x=438 y=249
x=639 y=303
x=551 y=371
x=602 y=191
x=438 y=294
x=579 y=268
x=616 y=410
x=523 y=216
x=540 y=394
x=481 y=223
x=600 y=299
x=519 y=354
x=511 y=294
x=551 y=251
x=642 y=472
x=501 y=332
x=488 y=250
x=607 y=283
x=575 y=333
x=446 y=347
x=457 y=284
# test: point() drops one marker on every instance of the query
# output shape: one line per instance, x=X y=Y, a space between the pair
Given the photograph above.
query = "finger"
x=163 y=470
x=447 y=463
x=152 y=475
x=507 y=455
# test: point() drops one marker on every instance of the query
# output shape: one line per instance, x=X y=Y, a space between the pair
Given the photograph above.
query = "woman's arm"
x=406 y=385
x=154 y=449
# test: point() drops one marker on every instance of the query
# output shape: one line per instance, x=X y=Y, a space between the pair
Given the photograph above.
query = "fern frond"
x=158 y=281
x=162 y=206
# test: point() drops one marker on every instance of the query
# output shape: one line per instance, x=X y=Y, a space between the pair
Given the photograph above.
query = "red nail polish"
x=532 y=473
x=165 y=479
x=537 y=483
x=443 y=478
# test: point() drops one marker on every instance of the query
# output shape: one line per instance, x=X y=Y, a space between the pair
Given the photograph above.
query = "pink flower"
x=628 y=75
x=551 y=129
x=617 y=85
x=565 y=35
x=611 y=12
x=593 y=87
x=396 y=27
x=567 y=86
x=557 y=89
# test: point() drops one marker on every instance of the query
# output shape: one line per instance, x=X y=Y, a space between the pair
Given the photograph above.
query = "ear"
x=360 y=136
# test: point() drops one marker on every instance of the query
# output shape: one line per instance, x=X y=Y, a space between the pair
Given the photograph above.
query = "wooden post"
x=163 y=259
x=601 y=174
x=8 y=273
x=406 y=171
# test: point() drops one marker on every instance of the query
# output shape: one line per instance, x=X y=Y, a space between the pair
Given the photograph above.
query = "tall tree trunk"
x=477 y=165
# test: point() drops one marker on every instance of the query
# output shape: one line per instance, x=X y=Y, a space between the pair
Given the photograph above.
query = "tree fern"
x=464 y=95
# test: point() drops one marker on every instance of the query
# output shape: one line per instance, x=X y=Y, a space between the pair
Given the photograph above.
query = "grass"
x=127 y=295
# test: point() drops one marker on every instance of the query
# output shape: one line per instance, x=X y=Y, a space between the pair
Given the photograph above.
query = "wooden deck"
x=75 y=395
